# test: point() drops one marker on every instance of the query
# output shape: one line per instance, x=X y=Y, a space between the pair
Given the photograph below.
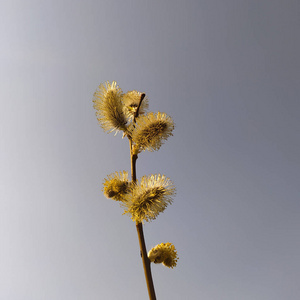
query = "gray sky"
x=228 y=73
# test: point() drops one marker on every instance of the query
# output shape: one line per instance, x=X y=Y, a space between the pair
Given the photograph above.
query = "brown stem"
x=146 y=261
x=133 y=158
x=139 y=226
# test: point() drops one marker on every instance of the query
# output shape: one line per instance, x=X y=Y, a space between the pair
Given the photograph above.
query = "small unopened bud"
x=110 y=194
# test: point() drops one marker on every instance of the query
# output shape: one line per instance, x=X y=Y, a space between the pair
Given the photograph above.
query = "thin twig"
x=143 y=95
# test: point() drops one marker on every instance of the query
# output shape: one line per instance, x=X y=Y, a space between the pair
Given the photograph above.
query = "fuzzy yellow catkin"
x=151 y=130
x=109 y=106
x=164 y=253
x=149 y=197
x=116 y=186
x=131 y=101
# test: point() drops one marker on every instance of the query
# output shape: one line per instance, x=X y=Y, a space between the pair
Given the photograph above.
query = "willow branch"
x=139 y=226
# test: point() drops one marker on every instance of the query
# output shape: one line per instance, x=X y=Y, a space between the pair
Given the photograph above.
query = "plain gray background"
x=228 y=73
